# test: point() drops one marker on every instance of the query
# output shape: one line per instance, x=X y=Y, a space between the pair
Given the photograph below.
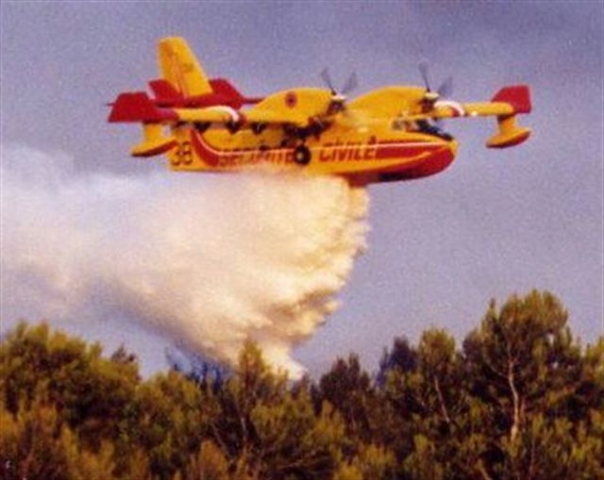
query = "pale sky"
x=494 y=223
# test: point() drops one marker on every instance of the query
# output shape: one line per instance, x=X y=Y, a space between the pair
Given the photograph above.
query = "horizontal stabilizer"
x=138 y=107
x=165 y=93
x=231 y=95
x=150 y=149
x=154 y=142
x=508 y=133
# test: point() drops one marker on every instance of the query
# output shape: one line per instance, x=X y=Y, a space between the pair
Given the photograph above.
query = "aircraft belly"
x=416 y=158
x=410 y=157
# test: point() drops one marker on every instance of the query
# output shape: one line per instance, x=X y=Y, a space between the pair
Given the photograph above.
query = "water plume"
x=209 y=261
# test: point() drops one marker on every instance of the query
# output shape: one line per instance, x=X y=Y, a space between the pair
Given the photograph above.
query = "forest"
x=519 y=398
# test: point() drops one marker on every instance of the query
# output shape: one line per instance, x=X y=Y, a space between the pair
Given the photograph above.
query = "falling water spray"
x=208 y=261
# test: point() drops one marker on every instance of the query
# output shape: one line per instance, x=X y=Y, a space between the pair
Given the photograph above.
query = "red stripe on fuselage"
x=372 y=151
x=209 y=156
x=434 y=163
x=392 y=150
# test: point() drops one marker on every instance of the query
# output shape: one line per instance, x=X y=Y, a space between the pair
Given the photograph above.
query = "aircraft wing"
x=505 y=105
x=217 y=114
x=508 y=101
x=139 y=107
x=495 y=109
x=226 y=115
x=450 y=109
x=272 y=117
x=298 y=107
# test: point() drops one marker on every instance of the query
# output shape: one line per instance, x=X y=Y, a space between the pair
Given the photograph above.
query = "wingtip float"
x=207 y=125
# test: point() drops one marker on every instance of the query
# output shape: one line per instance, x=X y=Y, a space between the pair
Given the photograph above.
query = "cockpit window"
x=423 y=126
x=426 y=126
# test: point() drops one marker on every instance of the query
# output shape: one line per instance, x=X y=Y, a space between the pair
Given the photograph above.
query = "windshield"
x=423 y=126
x=426 y=126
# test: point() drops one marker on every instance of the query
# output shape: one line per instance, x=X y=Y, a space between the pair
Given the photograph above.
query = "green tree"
x=423 y=463
x=429 y=401
x=402 y=357
x=522 y=358
x=350 y=390
x=210 y=463
x=89 y=392
x=529 y=374
x=271 y=431
x=168 y=423
x=522 y=399
x=370 y=462
x=36 y=443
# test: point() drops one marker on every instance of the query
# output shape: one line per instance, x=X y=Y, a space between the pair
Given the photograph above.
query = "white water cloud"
x=207 y=261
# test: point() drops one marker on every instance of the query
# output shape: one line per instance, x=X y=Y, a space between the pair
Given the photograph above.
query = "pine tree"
x=526 y=370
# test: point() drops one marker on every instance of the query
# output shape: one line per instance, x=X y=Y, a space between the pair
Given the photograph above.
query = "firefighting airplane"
x=388 y=134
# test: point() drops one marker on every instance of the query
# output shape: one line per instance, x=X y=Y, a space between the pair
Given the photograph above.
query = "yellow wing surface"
x=299 y=107
x=409 y=104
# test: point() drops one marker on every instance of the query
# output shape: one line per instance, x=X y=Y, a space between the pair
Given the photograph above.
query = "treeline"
x=520 y=399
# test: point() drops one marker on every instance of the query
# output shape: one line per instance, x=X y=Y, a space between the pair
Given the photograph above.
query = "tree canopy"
x=519 y=398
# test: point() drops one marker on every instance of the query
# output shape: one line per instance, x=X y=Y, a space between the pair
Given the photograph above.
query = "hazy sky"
x=495 y=223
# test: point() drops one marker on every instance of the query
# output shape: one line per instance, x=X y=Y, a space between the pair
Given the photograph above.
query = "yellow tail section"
x=508 y=133
x=179 y=66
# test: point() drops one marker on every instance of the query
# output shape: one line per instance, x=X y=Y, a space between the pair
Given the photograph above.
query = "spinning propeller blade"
x=326 y=77
x=431 y=97
x=445 y=90
x=424 y=68
x=338 y=99
x=351 y=84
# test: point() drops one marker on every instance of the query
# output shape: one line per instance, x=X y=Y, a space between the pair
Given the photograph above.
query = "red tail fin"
x=138 y=107
x=165 y=93
x=518 y=96
x=232 y=96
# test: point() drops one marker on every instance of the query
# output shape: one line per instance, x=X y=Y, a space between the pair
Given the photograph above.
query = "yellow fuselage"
x=362 y=148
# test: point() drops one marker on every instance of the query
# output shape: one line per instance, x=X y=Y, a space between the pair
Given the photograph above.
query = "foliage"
x=521 y=398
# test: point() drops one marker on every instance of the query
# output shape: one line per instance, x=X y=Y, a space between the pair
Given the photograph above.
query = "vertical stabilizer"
x=179 y=66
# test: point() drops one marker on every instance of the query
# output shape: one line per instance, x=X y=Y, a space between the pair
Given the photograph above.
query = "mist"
x=208 y=261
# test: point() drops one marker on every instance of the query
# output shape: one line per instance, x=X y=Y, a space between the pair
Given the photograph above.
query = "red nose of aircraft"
x=439 y=159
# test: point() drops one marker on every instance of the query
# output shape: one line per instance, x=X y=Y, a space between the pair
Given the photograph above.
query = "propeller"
x=424 y=70
x=431 y=97
x=338 y=97
x=444 y=90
